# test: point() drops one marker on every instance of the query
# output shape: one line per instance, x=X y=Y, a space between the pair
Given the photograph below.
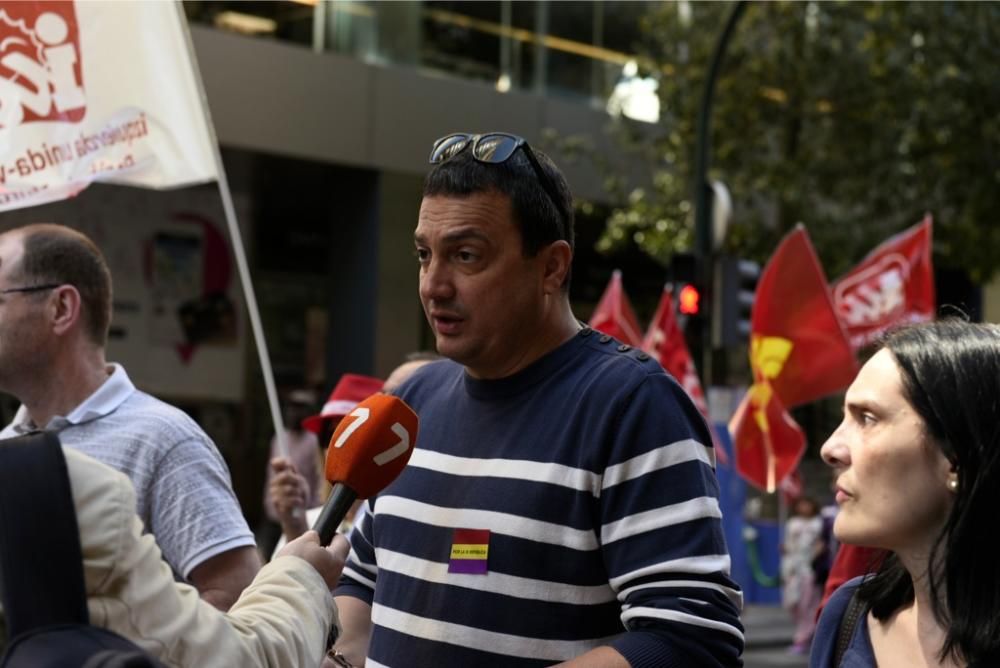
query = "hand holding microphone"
x=368 y=450
x=328 y=561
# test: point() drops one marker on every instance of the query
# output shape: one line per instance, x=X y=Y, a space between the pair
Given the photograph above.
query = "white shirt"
x=183 y=490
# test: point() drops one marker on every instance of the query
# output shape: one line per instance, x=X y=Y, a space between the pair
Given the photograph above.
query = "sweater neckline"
x=539 y=370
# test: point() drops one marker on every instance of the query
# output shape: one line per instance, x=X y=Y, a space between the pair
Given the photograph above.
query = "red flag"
x=664 y=342
x=767 y=441
x=893 y=285
x=614 y=314
x=798 y=351
x=793 y=304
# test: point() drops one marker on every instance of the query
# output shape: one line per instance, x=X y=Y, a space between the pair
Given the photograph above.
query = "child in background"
x=803 y=543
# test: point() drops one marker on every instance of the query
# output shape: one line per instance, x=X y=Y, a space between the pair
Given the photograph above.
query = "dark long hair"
x=951 y=377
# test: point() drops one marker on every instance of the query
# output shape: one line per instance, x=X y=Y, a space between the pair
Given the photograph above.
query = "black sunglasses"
x=496 y=148
x=30 y=288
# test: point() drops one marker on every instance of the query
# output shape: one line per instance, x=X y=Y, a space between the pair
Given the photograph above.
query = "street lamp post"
x=703 y=192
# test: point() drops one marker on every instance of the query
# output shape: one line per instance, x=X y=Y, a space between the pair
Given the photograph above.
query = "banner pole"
x=771 y=462
x=238 y=250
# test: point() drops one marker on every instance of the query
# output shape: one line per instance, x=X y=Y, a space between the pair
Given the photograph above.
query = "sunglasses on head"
x=496 y=148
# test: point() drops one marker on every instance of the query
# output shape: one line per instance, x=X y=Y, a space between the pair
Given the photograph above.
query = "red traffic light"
x=689 y=300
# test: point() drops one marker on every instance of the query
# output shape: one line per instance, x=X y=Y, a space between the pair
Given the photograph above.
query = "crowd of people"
x=561 y=505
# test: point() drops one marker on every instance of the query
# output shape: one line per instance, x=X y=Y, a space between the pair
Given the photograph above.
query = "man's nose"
x=436 y=282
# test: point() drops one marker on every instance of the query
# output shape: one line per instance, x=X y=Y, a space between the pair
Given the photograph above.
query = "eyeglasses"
x=496 y=148
x=30 y=288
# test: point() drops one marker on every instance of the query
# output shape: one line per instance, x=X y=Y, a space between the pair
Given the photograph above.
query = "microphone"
x=369 y=448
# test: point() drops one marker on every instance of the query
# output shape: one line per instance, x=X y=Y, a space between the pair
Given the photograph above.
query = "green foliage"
x=853 y=117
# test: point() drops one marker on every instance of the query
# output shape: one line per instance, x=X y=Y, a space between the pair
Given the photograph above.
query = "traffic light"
x=735 y=285
x=686 y=275
x=689 y=300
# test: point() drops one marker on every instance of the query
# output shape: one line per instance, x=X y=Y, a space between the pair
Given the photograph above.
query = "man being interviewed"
x=561 y=503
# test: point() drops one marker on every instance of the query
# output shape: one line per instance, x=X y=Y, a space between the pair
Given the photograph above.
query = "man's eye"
x=422 y=255
x=466 y=256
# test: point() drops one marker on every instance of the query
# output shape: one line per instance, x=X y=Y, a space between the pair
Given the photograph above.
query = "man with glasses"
x=55 y=311
x=561 y=503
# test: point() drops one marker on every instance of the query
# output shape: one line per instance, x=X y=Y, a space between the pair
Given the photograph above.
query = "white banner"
x=97 y=91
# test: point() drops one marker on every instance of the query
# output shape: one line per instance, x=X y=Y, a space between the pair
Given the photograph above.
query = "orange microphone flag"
x=665 y=343
x=799 y=352
x=893 y=285
x=614 y=314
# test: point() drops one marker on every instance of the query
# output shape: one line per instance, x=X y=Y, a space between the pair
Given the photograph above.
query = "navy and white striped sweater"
x=592 y=470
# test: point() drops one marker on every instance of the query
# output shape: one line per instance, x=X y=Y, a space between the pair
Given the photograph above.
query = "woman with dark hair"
x=916 y=459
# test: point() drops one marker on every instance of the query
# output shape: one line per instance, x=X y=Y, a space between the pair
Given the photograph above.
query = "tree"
x=852 y=117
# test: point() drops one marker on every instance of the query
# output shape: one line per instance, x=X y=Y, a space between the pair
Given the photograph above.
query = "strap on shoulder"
x=41 y=563
x=854 y=612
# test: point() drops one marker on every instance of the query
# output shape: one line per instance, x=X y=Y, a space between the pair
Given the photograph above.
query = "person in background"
x=800 y=592
x=917 y=459
x=55 y=312
x=411 y=362
x=303 y=454
x=351 y=389
x=290 y=492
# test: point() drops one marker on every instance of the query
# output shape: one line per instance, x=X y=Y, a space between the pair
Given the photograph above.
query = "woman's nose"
x=835 y=452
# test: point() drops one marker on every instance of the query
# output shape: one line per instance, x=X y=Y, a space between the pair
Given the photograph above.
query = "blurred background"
x=855 y=119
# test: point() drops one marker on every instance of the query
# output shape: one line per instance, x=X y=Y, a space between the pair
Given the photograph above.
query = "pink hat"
x=350 y=390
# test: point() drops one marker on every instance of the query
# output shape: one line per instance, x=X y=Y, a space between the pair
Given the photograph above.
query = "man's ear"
x=65 y=309
x=557 y=258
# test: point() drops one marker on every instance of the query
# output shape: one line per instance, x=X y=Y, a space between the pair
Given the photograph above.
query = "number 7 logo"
x=395 y=451
x=361 y=414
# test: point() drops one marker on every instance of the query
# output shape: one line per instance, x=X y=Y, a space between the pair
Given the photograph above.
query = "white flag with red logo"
x=893 y=285
x=97 y=91
x=664 y=341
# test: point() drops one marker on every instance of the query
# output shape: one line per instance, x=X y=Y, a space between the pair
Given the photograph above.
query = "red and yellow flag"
x=768 y=442
x=614 y=314
x=799 y=352
x=793 y=303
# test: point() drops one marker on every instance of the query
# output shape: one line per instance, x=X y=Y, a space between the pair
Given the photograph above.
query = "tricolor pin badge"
x=470 y=550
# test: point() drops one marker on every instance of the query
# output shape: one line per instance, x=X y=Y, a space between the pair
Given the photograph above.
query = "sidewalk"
x=769 y=631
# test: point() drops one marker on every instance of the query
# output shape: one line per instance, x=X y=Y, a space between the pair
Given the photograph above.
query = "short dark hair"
x=950 y=372
x=535 y=214
x=58 y=254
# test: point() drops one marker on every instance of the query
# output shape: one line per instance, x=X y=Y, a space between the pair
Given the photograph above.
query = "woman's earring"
x=953 y=484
